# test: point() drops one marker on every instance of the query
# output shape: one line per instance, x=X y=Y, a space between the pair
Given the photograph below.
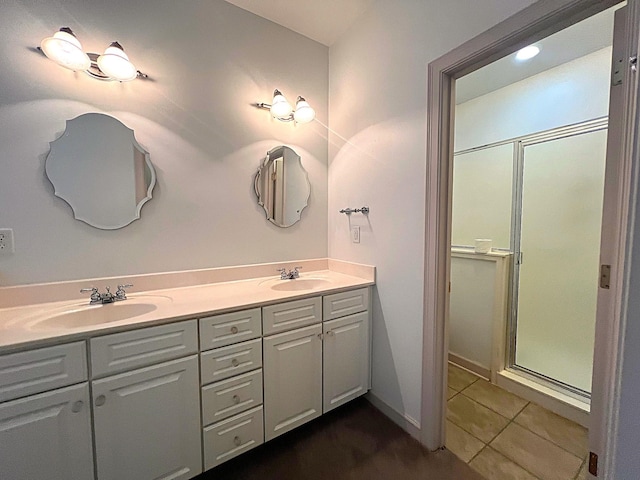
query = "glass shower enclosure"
x=541 y=198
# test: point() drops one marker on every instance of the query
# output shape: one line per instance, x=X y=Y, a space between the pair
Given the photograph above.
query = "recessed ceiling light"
x=527 y=53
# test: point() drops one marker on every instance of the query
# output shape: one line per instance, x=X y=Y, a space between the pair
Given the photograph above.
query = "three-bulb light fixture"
x=282 y=110
x=65 y=49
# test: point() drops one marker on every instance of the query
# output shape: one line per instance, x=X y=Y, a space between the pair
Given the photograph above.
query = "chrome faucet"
x=107 y=297
x=291 y=275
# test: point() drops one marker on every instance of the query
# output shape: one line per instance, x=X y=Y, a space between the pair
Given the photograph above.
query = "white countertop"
x=29 y=326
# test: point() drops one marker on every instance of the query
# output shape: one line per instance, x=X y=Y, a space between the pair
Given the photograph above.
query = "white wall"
x=570 y=93
x=208 y=61
x=377 y=156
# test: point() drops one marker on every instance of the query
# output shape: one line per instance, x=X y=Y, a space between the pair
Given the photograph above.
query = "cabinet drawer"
x=345 y=303
x=36 y=371
x=226 y=362
x=128 y=350
x=230 y=397
x=233 y=436
x=290 y=315
x=222 y=330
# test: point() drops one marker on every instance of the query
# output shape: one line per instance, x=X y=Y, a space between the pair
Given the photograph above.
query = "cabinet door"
x=345 y=359
x=292 y=379
x=147 y=423
x=47 y=436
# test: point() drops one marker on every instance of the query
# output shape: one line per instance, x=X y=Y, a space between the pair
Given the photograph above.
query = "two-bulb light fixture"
x=65 y=49
x=282 y=110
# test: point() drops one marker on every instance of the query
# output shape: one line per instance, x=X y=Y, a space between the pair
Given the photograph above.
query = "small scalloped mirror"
x=101 y=171
x=282 y=186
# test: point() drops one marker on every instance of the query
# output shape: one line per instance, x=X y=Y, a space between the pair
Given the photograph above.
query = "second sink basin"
x=299 y=284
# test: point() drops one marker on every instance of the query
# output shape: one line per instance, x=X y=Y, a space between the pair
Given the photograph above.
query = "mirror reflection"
x=282 y=186
x=101 y=171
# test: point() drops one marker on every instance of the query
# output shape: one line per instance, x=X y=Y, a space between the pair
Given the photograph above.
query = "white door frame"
x=531 y=24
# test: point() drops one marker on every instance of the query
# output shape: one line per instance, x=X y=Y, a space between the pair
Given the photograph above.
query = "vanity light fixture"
x=65 y=49
x=282 y=110
x=527 y=53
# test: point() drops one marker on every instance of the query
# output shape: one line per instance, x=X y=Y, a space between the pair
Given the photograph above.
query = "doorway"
x=534 y=23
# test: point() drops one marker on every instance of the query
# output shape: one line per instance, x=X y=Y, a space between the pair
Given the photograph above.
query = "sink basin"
x=85 y=316
x=300 y=284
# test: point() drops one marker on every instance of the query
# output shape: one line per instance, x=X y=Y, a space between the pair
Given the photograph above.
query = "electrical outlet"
x=355 y=234
x=6 y=241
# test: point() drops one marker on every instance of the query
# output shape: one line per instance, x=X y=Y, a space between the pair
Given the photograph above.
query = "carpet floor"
x=354 y=442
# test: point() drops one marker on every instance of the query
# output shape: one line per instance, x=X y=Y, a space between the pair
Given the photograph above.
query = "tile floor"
x=504 y=437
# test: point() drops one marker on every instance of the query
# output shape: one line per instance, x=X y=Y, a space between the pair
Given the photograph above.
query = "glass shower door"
x=559 y=240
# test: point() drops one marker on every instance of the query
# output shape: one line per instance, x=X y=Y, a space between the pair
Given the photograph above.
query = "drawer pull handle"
x=100 y=400
x=236 y=399
x=234 y=330
x=77 y=406
x=236 y=441
x=235 y=362
x=330 y=333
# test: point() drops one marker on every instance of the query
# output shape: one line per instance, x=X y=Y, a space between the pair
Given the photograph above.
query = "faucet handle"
x=95 y=296
x=120 y=293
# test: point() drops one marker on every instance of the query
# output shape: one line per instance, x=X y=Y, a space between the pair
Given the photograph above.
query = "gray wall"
x=377 y=157
x=209 y=60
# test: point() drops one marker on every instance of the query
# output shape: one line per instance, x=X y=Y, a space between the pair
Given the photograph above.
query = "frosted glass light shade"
x=115 y=63
x=65 y=49
x=304 y=113
x=280 y=107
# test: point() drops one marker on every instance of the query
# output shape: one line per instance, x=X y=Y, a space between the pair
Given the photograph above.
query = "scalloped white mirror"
x=282 y=186
x=101 y=171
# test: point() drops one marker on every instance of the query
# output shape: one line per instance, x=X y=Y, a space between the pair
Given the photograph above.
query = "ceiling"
x=326 y=20
x=321 y=20
x=576 y=41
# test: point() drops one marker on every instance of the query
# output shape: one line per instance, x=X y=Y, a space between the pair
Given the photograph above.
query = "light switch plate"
x=6 y=241
x=355 y=234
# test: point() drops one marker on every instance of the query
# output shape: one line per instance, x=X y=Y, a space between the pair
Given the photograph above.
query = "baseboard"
x=470 y=365
x=405 y=422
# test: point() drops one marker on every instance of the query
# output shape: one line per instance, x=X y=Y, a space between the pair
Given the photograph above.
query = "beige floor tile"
x=536 y=455
x=460 y=379
x=494 y=466
x=564 y=433
x=450 y=393
x=464 y=445
x=476 y=419
x=495 y=398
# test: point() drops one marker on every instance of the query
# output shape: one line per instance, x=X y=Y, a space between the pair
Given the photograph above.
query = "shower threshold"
x=549 y=395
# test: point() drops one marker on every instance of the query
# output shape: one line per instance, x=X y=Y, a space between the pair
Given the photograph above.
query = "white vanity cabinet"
x=346 y=356
x=232 y=386
x=45 y=432
x=166 y=402
x=292 y=379
x=313 y=369
x=147 y=420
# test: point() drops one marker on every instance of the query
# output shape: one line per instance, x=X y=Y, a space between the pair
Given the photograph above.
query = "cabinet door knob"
x=236 y=399
x=330 y=333
x=235 y=362
x=236 y=441
x=234 y=330
x=100 y=400
x=77 y=406
x=320 y=336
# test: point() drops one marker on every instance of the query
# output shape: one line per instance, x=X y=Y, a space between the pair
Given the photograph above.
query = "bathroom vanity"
x=173 y=394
